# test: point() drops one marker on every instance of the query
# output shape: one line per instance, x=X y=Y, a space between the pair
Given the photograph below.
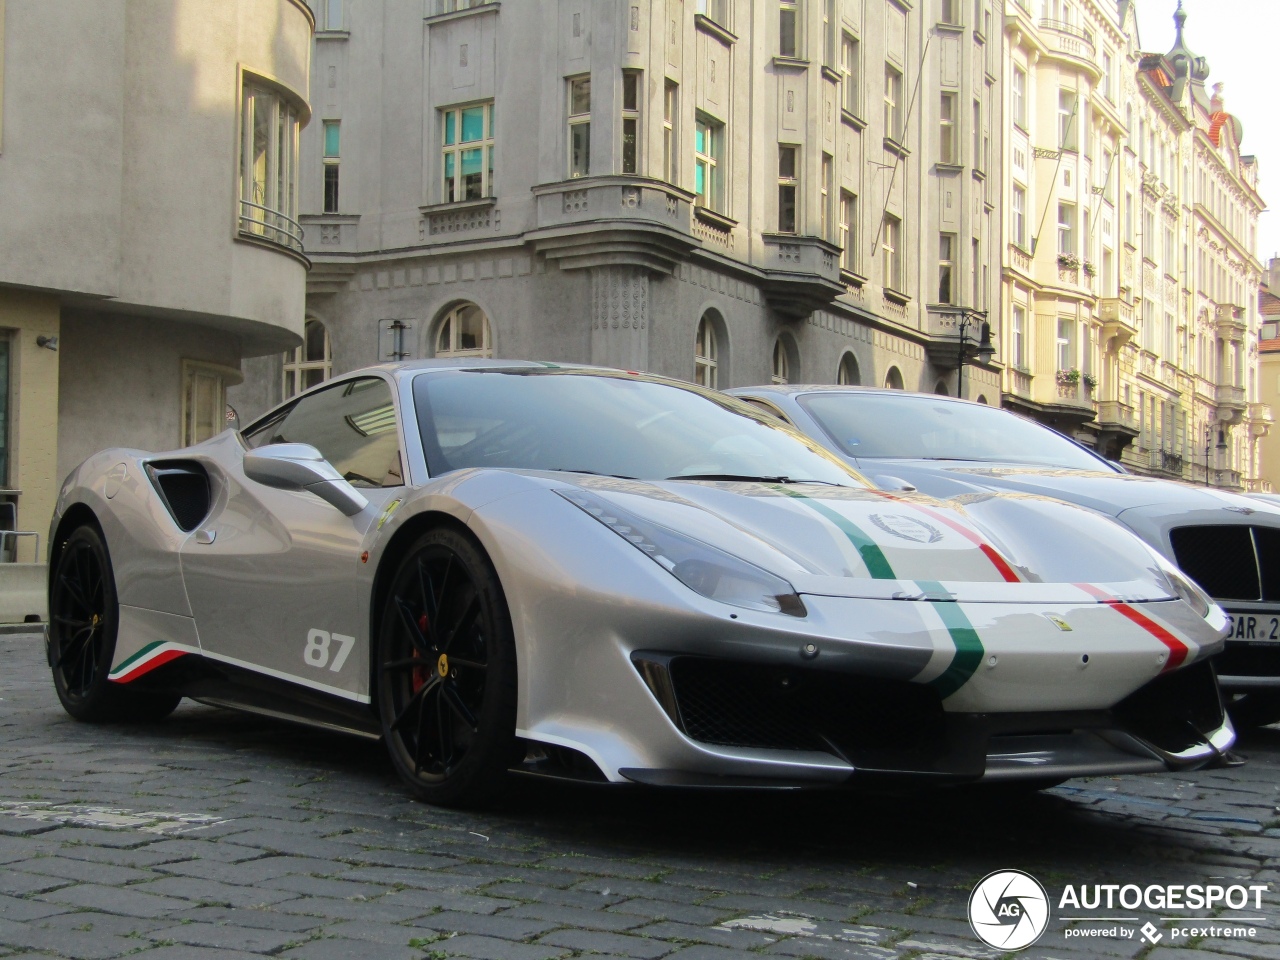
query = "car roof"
x=799 y=389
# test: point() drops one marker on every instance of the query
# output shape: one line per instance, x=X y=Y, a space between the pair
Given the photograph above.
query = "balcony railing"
x=267 y=224
x=1230 y=396
x=1076 y=393
x=1113 y=413
x=1257 y=485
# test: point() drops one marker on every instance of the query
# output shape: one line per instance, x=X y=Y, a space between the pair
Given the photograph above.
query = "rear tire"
x=447 y=672
x=84 y=616
x=1251 y=710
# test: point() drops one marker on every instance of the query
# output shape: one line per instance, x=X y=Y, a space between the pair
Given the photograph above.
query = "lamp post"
x=1207 y=435
x=984 y=349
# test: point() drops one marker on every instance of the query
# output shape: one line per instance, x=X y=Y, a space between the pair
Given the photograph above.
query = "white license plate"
x=1254 y=626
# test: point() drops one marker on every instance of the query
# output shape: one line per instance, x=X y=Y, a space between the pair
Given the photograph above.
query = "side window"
x=353 y=424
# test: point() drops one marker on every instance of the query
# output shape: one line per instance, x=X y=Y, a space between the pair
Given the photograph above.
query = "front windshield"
x=610 y=424
x=910 y=427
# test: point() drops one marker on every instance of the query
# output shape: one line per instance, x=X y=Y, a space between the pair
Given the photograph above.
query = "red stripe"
x=1177 y=649
x=157 y=661
x=989 y=551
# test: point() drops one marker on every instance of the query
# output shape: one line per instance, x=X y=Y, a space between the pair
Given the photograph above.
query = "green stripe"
x=139 y=655
x=871 y=554
x=969 y=649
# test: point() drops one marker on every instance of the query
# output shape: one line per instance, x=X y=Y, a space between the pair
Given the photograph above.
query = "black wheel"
x=447 y=672
x=83 y=619
x=1250 y=710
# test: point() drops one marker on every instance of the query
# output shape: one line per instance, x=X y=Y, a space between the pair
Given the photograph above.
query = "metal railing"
x=259 y=221
x=1061 y=26
x=9 y=544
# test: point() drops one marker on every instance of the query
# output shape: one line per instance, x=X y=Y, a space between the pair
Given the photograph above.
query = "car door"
x=271 y=573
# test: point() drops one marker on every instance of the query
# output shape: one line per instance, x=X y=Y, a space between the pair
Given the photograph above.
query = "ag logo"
x=908 y=528
x=1008 y=910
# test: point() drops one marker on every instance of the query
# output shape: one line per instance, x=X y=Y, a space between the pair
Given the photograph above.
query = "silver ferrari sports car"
x=1228 y=543
x=610 y=576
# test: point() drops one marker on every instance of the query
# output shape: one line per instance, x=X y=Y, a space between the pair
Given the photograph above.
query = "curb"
x=14 y=629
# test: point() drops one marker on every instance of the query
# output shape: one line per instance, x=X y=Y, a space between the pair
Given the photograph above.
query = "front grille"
x=1239 y=660
x=1176 y=710
x=755 y=705
x=1236 y=562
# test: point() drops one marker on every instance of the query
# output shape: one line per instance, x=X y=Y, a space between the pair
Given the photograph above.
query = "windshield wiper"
x=745 y=478
x=594 y=473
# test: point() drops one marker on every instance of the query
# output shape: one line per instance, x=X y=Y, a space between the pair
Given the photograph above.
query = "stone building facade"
x=725 y=191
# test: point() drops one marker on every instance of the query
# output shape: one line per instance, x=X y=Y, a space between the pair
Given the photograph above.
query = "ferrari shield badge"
x=907 y=528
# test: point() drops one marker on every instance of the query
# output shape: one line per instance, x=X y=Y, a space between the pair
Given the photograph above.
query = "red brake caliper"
x=421 y=673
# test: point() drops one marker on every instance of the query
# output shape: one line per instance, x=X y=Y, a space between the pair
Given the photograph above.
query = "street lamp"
x=984 y=349
x=1207 y=435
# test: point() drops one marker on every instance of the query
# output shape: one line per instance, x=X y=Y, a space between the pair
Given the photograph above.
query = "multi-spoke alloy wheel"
x=83 y=617
x=446 y=689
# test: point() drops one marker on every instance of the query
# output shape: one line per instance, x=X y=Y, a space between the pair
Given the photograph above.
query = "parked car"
x=948 y=448
x=589 y=573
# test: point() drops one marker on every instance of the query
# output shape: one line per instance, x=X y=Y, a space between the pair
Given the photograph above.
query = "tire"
x=446 y=679
x=84 y=616
x=1251 y=710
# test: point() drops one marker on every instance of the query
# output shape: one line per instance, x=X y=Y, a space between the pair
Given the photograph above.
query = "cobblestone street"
x=217 y=834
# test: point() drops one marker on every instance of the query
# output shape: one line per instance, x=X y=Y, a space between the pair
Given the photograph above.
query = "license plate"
x=1254 y=626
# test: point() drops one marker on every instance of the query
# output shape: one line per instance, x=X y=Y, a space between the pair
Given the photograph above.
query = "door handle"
x=205 y=536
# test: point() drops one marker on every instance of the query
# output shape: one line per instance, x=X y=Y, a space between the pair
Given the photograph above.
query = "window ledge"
x=328 y=218
x=944 y=27
x=851 y=278
x=896 y=296
x=791 y=63
x=333 y=34
x=831 y=73
x=1020 y=128
x=852 y=119
x=711 y=217
x=709 y=26
x=894 y=147
x=430 y=208
x=946 y=167
x=979 y=174
x=490 y=7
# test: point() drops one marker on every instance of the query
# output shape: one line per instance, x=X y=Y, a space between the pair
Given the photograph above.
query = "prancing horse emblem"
x=908 y=528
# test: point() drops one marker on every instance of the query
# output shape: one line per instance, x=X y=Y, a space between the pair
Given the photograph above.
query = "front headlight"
x=702 y=568
x=1184 y=588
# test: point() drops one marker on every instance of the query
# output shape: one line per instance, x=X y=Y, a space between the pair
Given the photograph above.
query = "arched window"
x=893 y=380
x=781 y=362
x=706 y=359
x=309 y=364
x=982 y=399
x=847 y=375
x=464 y=332
x=940 y=388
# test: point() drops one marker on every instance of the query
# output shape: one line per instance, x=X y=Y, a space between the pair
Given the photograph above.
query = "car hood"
x=850 y=541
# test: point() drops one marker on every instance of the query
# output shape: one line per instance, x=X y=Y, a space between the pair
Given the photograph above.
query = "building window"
x=630 y=121
x=977 y=135
x=449 y=6
x=789 y=28
x=949 y=11
x=4 y=410
x=204 y=400
x=781 y=365
x=979 y=273
x=849 y=55
x=1169 y=263
x=828 y=197
x=708 y=174
x=892 y=102
x=1067 y=228
x=464 y=332
x=946 y=266
x=788 y=188
x=1067 y=120
x=1018 y=97
x=1066 y=344
x=1106 y=75
x=1018 y=216
x=830 y=18
x=891 y=251
x=670 y=143
x=717 y=10
x=893 y=379
x=330 y=15
x=706 y=354
x=579 y=126
x=947 y=129
x=1128 y=218
x=309 y=364
x=1017 y=355
x=467 y=153
x=848 y=230
x=848 y=374
x=332 y=154
x=268 y=166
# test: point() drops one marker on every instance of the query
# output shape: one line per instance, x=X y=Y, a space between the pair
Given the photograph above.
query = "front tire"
x=447 y=672
x=84 y=616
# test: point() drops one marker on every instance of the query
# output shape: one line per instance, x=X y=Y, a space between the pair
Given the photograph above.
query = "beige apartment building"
x=725 y=191
x=148 y=165
x=1130 y=279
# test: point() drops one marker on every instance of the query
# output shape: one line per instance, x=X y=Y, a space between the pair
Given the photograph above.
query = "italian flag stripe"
x=991 y=553
x=153 y=655
x=872 y=555
x=1177 y=649
x=969 y=649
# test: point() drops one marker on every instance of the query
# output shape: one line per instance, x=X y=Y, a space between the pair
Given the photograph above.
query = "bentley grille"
x=1235 y=562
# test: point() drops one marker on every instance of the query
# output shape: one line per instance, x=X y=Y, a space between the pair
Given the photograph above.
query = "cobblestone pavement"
x=221 y=835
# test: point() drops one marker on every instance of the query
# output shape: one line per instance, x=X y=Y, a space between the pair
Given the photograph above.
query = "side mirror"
x=299 y=466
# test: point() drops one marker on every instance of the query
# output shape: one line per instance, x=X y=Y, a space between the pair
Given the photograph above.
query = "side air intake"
x=183 y=485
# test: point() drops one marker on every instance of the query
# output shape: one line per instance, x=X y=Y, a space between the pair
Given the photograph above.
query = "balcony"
x=1231 y=322
x=802 y=273
x=613 y=221
x=1167 y=463
x=1231 y=403
x=1118 y=324
x=1260 y=419
x=1020 y=383
x=1078 y=394
x=1257 y=485
x=1064 y=38
x=1117 y=417
x=262 y=223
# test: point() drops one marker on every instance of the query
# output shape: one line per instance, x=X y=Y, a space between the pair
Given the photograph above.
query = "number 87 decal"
x=316 y=652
